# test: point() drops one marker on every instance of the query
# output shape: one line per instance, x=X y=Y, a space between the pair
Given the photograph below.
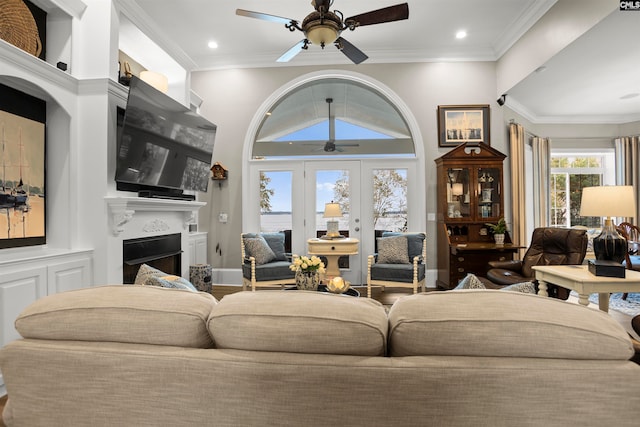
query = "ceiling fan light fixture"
x=322 y=35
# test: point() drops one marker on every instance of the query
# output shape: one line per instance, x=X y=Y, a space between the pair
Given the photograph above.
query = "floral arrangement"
x=307 y=265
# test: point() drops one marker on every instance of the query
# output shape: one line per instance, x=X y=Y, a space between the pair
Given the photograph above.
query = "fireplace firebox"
x=161 y=252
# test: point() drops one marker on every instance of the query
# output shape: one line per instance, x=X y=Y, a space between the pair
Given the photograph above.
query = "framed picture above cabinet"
x=22 y=169
x=458 y=124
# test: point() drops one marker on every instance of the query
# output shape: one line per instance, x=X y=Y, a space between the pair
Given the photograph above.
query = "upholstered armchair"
x=399 y=261
x=549 y=246
x=264 y=260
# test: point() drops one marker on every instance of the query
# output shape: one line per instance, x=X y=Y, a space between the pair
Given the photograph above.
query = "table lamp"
x=332 y=210
x=608 y=201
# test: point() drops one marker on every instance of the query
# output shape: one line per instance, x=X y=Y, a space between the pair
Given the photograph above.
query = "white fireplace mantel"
x=123 y=209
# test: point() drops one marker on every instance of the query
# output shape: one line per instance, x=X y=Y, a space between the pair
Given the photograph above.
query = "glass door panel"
x=458 y=193
x=488 y=192
x=276 y=194
x=338 y=183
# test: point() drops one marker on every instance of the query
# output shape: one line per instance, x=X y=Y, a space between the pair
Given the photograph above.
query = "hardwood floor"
x=3 y=401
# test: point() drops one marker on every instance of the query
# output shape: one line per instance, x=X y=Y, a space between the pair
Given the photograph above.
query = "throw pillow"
x=276 y=243
x=258 y=248
x=146 y=271
x=525 y=287
x=470 y=281
x=176 y=282
x=393 y=250
x=414 y=241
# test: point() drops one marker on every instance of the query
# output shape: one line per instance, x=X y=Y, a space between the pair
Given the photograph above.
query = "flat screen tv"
x=163 y=147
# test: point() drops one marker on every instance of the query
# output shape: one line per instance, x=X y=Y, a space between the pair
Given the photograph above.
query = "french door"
x=373 y=196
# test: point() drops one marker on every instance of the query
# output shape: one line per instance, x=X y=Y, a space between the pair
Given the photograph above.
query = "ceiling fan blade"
x=264 y=16
x=292 y=52
x=387 y=14
x=353 y=53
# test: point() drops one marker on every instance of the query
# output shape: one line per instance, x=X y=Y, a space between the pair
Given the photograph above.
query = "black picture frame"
x=23 y=208
x=459 y=124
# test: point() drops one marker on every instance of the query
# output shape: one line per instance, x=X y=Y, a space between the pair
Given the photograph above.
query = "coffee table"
x=578 y=278
x=323 y=288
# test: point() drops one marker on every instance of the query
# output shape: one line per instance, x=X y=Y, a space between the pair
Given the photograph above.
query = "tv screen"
x=162 y=144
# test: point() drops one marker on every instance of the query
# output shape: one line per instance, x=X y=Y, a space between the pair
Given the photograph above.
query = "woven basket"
x=18 y=27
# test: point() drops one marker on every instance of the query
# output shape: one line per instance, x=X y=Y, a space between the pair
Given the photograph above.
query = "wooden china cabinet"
x=470 y=195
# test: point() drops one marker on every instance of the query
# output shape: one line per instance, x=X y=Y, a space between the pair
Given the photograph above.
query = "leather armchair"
x=549 y=246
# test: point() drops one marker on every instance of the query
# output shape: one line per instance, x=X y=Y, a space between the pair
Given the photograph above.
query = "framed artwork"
x=458 y=124
x=22 y=169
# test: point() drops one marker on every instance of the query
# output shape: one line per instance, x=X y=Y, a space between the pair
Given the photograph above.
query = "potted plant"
x=498 y=230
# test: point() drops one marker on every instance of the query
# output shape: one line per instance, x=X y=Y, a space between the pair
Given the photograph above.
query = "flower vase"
x=307 y=280
x=499 y=238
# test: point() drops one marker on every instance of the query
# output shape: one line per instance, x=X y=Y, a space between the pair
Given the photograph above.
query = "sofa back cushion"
x=502 y=324
x=299 y=322
x=121 y=313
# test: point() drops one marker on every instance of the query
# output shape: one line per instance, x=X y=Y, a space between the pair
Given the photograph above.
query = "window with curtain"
x=570 y=173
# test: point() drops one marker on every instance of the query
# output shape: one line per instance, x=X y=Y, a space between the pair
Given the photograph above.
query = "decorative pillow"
x=276 y=243
x=145 y=272
x=258 y=248
x=393 y=250
x=414 y=241
x=470 y=281
x=175 y=282
x=525 y=287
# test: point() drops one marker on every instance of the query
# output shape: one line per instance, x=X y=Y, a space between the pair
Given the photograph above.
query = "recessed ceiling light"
x=212 y=44
x=630 y=95
x=461 y=34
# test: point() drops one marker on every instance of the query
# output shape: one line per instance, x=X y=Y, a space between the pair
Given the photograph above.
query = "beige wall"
x=232 y=97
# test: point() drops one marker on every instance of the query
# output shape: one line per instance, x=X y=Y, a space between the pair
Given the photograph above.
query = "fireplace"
x=161 y=252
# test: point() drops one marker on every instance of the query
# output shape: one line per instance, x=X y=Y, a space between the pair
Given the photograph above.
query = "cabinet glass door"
x=458 y=193
x=488 y=193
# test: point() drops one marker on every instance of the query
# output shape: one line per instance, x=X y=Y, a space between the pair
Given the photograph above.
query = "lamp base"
x=609 y=245
x=332 y=229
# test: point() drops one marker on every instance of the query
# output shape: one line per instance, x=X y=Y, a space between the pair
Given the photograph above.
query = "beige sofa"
x=145 y=356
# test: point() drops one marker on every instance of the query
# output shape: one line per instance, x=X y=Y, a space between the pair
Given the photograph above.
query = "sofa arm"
x=514 y=265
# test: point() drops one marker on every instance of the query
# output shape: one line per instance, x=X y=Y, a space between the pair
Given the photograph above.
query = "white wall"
x=232 y=97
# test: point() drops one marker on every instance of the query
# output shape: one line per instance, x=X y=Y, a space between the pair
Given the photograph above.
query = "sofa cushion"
x=299 y=322
x=393 y=250
x=258 y=248
x=502 y=324
x=117 y=313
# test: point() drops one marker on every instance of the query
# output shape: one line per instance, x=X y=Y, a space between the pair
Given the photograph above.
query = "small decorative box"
x=606 y=268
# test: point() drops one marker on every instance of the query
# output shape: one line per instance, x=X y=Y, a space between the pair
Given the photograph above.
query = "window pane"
x=332 y=186
x=275 y=200
x=390 y=199
x=569 y=175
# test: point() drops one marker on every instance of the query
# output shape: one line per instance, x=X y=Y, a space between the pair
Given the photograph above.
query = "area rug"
x=630 y=306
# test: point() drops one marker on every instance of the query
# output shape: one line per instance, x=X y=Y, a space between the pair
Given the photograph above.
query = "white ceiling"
x=584 y=83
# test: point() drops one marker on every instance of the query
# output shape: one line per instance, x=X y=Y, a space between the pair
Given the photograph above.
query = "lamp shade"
x=457 y=189
x=157 y=80
x=608 y=200
x=332 y=210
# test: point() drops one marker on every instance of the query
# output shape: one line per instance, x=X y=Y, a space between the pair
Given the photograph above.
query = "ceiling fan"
x=323 y=27
x=330 y=146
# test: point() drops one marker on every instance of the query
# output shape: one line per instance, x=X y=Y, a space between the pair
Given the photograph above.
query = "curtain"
x=628 y=168
x=541 y=175
x=518 y=202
